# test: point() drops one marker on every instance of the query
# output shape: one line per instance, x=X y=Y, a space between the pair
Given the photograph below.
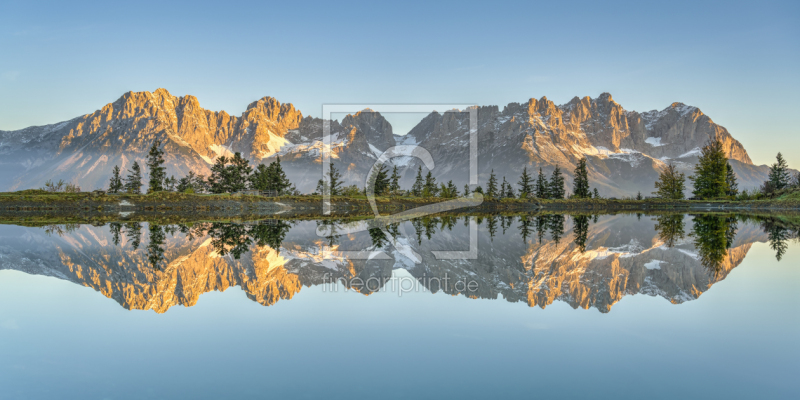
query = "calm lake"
x=539 y=306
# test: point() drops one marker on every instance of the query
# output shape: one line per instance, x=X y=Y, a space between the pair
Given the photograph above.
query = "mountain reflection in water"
x=583 y=260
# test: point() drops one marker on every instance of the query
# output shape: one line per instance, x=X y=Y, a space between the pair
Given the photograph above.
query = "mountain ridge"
x=625 y=148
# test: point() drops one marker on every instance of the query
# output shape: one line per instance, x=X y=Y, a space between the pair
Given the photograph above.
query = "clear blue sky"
x=737 y=61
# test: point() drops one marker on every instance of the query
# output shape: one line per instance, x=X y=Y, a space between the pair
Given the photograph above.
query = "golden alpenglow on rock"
x=625 y=149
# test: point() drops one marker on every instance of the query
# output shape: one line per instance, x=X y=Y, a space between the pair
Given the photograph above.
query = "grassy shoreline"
x=37 y=200
x=38 y=219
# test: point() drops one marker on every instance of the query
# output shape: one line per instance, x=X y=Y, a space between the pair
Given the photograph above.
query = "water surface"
x=608 y=306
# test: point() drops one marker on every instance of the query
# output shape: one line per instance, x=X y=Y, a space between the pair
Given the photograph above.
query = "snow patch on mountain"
x=653 y=264
x=632 y=157
x=274 y=145
x=683 y=109
x=696 y=152
x=221 y=150
x=375 y=151
x=654 y=141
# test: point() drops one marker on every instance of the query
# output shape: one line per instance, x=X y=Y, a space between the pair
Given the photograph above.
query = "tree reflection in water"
x=541 y=227
x=555 y=223
x=60 y=230
x=235 y=239
x=226 y=238
x=713 y=236
x=379 y=239
x=491 y=226
x=581 y=231
x=116 y=232
x=779 y=231
x=133 y=231
x=670 y=228
x=331 y=226
x=155 y=246
x=525 y=226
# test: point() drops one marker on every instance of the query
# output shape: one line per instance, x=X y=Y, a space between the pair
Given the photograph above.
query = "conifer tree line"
x=713 y=177
x=231 y=174
x=228 y=175
x=780 y=178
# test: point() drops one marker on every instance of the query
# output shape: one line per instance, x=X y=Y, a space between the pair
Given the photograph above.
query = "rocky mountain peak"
x=273 y=110
x=372 y=127
x=605 y=97
x=684 y=109
x=542 y=107
x=606 y=105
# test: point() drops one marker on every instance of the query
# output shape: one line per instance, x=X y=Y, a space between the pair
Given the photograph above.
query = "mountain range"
x=625 y=149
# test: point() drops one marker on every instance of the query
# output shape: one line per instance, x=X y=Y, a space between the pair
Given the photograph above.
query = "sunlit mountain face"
x=586 y=261
x=625 y=149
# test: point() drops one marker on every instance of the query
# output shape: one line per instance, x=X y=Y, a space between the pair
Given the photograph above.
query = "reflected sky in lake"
x=610 y=306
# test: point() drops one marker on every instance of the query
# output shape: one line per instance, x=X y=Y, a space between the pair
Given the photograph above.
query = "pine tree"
x=133 y=182
x=200 y=184
x=542 y=187
x=509 y=190
x=379 y=179
x=218 y=180
x=271 y=178
x=580 y=187
x=478 y=189
x=238 y=173
x=491 y=186
x=155 y=164
x=183 y=185
x=710 y=171
x=321 y=187
x=443 y=191
x=187 y=182
x=779 y=175
x=416 y=189
x=556 y=186
x=115 y=185
x=452 y=189
x=383 y=182
x=260 y=178
x=730 y=180
x=526 y=186
x=639 y=196
x=334 y=181
x=394 y=185
x=466 y=190
x=230 y=175
x=277 y=179
x=596 y=194
x=282 y=182
x=169 y=183
x=670 y=183
x=430 y=189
